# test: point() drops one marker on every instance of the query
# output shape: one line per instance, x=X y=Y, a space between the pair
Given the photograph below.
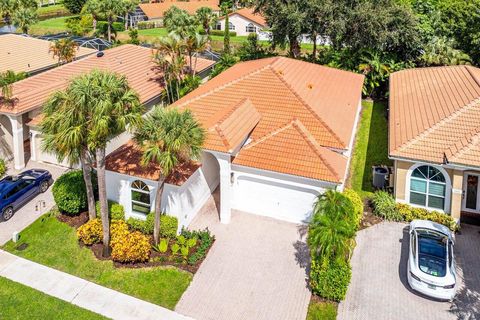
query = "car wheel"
x=43 y=186
x=7 y=213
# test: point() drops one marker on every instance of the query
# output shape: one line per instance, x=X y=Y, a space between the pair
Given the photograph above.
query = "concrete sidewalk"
x=85 y=294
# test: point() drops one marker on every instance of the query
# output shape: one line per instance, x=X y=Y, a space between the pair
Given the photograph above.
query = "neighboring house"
x=243 y=22
x=155 y=11
x=25 y=54
x=279 y=132
x=435 y=138
x=20 y=117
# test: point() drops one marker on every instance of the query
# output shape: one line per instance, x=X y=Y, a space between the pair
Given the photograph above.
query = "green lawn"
x=55 y=244
x=321 y=310
x=51 y=9
x=371 y=147
x=53 y=25
x=20 y=302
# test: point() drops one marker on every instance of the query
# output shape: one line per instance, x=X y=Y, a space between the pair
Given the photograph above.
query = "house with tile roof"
x=280 y=131
x=434 y=138
x=243 y=22
x=20 y=116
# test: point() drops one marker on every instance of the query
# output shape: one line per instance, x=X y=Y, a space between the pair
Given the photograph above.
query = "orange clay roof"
x=322 y=101
x=249 y=14
x=26 y=54
x=157 y=10
x=134 y=62
x=435 y=115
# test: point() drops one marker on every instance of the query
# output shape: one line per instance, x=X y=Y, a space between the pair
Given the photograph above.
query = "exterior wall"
x=182 y=201
x=240 y=24
x=454 y=189
x=275 y=195
x=6 y=139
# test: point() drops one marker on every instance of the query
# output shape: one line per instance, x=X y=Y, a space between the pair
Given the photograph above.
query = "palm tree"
x=206 y=18
x=7 y=78
x=168 y=137
x=225 y=7
x=7 y=8
x=67 y=115
x=115 y=107
x=24 y=17
x=441 y=52
x=109 y=9
x=194 y=43
x=332 y=227
x=64 y=50
x=128 y=6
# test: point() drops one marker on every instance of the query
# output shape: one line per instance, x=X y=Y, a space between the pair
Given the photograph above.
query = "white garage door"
x=44 y=156
x=273 y=198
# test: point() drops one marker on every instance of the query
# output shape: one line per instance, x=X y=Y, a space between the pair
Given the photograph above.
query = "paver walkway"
x=85 y=294
x=255 y=270
x=379 y=287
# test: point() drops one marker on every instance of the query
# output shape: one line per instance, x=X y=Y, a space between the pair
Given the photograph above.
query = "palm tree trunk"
x=109 y=29
x=158 y=209
x=87 y=177
x=314 y=38
x=102 y=198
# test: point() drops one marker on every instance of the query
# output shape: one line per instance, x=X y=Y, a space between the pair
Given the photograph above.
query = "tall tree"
x=168 y=137
x=109 y=9
x=74 y=6
x=179 y=21
x=24 y=17
x=7 y=8
x=115 y=107
x=64 y=50
x=194 y=43
x=7 y=78
x=206 y=18
x=226 y=8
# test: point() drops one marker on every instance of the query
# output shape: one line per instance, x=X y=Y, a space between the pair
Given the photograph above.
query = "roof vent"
x=310 y=86
x=100 y=54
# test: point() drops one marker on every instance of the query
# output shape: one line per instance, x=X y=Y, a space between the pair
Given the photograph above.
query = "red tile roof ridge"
x=471 y=139
x=209 y=92
x=307 y=106
x=472 y=105
x=474 y=76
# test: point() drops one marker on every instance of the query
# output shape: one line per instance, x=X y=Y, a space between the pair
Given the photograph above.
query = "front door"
x=471 y=193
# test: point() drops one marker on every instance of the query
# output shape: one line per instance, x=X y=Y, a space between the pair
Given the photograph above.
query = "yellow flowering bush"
x=91 y=232
x=410 y=213
x=132 y=247
x=118 y=231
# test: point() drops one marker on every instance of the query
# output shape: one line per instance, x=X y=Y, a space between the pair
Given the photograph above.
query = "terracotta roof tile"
x=134 y=62
x=27 y=54
x=435 y=113
x=157 y=10
x=249 y=14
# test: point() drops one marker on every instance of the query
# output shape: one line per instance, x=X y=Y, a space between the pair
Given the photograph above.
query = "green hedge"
x=117 y=26
x=115 y=210
x=330 y=279
x=357 y=203
x=222 y=33
x=142 y=25
x=3 y=167
x=168 y=225
x=70 y=193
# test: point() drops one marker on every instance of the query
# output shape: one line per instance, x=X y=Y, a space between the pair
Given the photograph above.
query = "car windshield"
x=432 y=252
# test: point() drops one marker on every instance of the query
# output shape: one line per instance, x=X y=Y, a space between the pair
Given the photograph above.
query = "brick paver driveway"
x=254 y=271
x=29 y=213
x=379 y=288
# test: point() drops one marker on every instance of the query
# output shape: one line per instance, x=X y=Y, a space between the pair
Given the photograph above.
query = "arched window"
x=218 y=26
x=140 y=197
x=428 y=187
x=231 y=26
x=250 y=28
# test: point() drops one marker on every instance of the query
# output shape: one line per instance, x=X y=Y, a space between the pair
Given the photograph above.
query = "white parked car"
x=431 y=265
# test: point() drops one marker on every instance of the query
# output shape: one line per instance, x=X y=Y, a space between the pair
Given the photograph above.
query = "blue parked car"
x=15 y=191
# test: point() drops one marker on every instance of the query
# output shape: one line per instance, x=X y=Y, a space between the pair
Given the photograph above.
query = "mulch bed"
x=368 y=219
x=73 y=221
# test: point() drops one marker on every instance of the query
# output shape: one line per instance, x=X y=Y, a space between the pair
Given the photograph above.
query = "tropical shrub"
x=90 y=232
x=142 y=25
x=162 y=246
x=384 y=206
x=118 y=231
x=168 y=226
x=330 y=278
x=205 y=239
x=357 y=203
x=70 y=193
x=222 y=33
x=131 y=247
x=115 y=210
x=410 y=213
x=3 y=167
x=175 y=248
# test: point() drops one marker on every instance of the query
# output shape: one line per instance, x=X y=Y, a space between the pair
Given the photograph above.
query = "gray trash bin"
x=380 y=176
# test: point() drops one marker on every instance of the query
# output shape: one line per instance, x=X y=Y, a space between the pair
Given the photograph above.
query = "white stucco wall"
x=275 y=195
x=183 y=201
x=240 y=24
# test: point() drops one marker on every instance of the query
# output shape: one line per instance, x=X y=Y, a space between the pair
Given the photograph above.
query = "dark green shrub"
x=222 y=33
x=115 y=210
x=168 y=225
x=205 y=239
x=144 y=226
x=329 y=279
x=116 y=26
x=70 y=193
x=384 y=206
x=3 y=167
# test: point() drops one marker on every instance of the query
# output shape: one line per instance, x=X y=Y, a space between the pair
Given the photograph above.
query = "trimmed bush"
x=90 y=232
x=385 y=206
x=144 y=226
x=142 y=25
x=116 y=26
x=356 y=202
x=330 y=279
x=130 y=247
x=222 y=33
x=3 y=167
x=168 y=225
x=410 y=213
x=115 y=210
x=118 y=231
x=70 y=193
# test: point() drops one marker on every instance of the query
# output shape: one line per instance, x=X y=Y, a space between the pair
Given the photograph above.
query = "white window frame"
x=218 y=26
x=448 y=188
x=231 y=26
x=248 y=28
x=143 y=204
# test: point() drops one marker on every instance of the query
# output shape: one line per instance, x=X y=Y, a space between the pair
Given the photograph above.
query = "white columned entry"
x=225 y=187
x=17 y=138
x=33 y=145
